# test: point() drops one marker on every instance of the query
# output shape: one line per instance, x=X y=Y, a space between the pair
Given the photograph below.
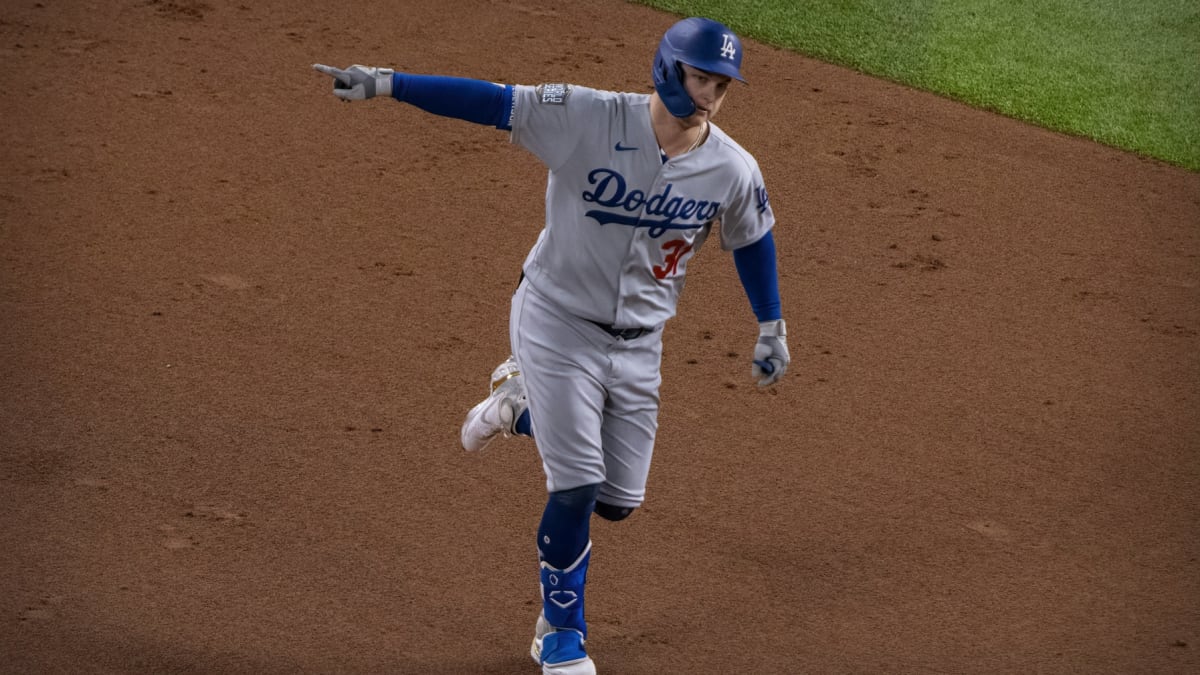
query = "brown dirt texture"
x=242 y=322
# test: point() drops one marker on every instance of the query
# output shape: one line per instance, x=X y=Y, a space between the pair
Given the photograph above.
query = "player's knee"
x=575 y=499
x=612 y=512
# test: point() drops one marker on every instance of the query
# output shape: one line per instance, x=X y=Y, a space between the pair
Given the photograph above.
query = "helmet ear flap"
x=668 y=82
x=664 y=70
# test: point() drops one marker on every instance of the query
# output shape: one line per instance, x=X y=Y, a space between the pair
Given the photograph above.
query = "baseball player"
x=636 y=184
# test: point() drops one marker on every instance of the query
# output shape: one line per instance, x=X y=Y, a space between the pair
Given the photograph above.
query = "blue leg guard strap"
x=563 y=648
x=562 y=593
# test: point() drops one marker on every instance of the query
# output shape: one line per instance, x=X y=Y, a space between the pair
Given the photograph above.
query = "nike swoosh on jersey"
x=621 y=148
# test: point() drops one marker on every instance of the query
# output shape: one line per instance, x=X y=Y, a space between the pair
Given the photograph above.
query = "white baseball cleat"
x=539 y=631
x=559 y=652
x=503 y=373
x=499 y=412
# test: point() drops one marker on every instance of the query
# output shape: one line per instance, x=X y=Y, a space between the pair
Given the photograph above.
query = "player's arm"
x=462 y=98
x=757 y=269
x=756 y=266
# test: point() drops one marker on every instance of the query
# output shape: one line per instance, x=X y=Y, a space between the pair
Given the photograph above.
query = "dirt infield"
x=241 y=322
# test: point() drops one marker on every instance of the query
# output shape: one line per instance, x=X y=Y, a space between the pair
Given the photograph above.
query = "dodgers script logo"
x=610 y=192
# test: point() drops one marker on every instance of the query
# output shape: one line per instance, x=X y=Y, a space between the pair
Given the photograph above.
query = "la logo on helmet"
x=727 y=49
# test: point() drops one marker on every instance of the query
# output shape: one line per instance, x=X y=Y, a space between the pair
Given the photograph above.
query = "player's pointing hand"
x=358 y=83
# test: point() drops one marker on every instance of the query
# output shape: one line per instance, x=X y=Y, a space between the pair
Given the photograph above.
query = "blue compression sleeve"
x=564 y=531
x=524 y=425
x=756 y=268
x=471 y=100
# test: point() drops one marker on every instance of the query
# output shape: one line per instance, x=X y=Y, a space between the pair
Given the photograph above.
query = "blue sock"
x=564 y=530
x=524 y=427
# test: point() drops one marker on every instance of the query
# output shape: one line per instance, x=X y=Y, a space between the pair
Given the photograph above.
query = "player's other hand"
x=771 y=356
x=357 y=83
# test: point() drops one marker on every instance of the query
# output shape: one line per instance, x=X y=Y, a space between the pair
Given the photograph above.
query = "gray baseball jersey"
x=621 y=224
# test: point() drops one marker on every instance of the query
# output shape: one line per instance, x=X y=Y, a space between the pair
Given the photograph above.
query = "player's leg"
x=563 y=368
x=562 y=364
x=564 y=551
x=503 y=412
x=630 y=425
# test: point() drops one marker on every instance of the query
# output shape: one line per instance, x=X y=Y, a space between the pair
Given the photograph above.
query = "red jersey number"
x=676 y=249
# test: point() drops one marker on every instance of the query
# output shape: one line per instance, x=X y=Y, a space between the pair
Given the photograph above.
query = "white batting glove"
x=358 y=83
x=771 y=356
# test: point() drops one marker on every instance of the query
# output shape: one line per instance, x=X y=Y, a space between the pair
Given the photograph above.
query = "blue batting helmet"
x=700 y=43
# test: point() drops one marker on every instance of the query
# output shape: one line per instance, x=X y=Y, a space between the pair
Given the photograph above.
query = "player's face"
x=706 y=89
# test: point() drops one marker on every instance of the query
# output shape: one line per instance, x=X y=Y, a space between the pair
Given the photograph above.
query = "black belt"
x=623 y=333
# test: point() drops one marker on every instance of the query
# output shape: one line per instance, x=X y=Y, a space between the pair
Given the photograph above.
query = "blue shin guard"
x=562 y=593
x=564 y=550
x=558 y=644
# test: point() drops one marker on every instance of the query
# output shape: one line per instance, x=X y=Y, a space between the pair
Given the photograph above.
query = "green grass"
x=1123 y=72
